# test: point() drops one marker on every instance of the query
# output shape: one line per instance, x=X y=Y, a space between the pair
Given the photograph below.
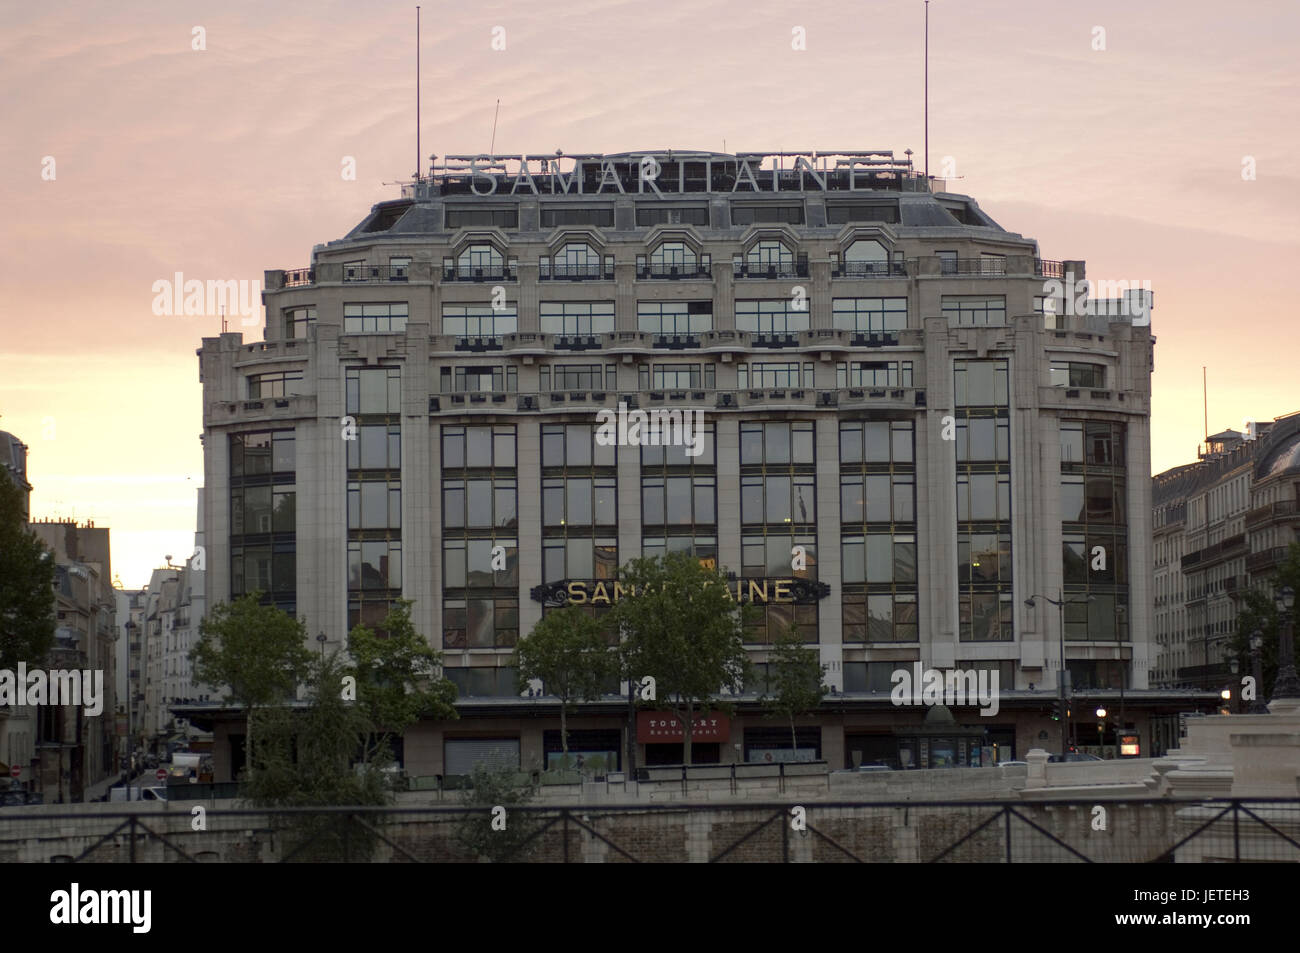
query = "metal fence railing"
x=1051 y=831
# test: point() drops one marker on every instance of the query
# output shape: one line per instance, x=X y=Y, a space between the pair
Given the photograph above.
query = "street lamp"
x=321 y=639
x=1101 y=729
x=1060 y=676
x=1257 y=707
x=1286 y=685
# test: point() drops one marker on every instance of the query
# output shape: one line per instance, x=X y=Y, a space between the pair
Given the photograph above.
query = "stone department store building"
x=826 y=313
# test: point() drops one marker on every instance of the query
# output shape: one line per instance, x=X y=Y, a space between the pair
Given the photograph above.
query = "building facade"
x=892 y=385
x=1221 y=527
x=75 y=746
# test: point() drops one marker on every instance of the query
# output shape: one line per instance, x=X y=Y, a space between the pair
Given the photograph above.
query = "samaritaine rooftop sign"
x=671 y=173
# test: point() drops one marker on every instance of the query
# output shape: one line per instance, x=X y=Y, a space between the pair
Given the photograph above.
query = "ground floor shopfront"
x=847 y=733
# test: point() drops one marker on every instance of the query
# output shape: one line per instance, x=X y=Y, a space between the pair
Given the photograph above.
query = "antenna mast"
x=1205 y=398
x=492 y=149
x=418 y=160
x=927 y=92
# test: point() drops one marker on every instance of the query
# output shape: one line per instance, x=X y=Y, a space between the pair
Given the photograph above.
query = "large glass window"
x=474 y=447
x=481 y=261
x=674 y=317
x=387 y=318
x=774 y=374
x=373 y=390
x=676 y=376
x=771 y=316
x=277 y=384
x=1074 y=374
x=975 y=310
x=776 y=442
x=480 y=551
x=778 y=499
x=673 y=257
x=481 y=623
x=1094 y=496
x=983 y=455
x=869 y=315
x=576 y=260
x=570 y=318
x=873 y=374
x=579 y=377
x=981 y=383
x=880 y=617
x=263 y=518
x=770 y=258
x=575 y=446
x=472 y=320
x=865 y=258
x=479 y=380
x=297 y=321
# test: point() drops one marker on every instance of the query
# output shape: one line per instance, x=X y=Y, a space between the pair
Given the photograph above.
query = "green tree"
x=1257 y=612
x=257 y=652
x=794 y=683
x=681 y=626
x=398 y=677
x=305 y=758
x=26 y=585
x=476 y=833
x=569 y=651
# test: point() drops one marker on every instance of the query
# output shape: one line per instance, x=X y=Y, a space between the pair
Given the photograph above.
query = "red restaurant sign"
x=656 y=727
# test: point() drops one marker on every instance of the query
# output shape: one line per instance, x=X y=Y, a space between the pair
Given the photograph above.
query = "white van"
x=138 y=793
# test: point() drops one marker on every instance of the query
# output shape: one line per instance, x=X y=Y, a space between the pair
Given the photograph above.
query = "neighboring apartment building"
x=160 y=603
x=191 y=604
x=889 y=378
x=75 y=745
x=17 y=723
x=1221 y=526
x=130 y=653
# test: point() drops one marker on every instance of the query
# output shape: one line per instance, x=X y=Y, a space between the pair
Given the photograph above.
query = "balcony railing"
x=299 y=277
x=452 y=271
x=1265 y=559
x=895 y=398
x=478 y=344
x=870 y=269
x=676 y=341
x=552 y=271
x=1045 y=268
x=981 y=267
x=743 y=269
x=675 y=271
x=354 y=272
x=875 y=339
x=1272 y=512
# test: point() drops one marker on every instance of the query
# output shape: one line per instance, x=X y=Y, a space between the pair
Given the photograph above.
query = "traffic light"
x=1056 y=710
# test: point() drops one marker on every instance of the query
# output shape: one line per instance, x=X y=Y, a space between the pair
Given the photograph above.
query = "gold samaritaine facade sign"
x=607 y=591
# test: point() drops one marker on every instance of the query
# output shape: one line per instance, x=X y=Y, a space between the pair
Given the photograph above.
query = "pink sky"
x=224 y=162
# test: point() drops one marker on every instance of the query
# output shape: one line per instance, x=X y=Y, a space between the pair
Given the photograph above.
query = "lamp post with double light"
x=1257 y=706
x=1060 y=604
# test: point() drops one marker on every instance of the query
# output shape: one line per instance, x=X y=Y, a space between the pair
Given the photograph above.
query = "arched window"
x=866 y=258
x=481 y=261
x=673 y=255
x=577 y=260
x=769 y=256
